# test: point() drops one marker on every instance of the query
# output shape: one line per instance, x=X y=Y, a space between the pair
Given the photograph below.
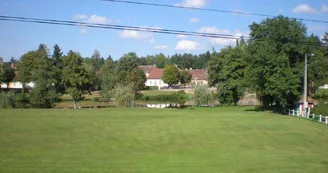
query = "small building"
x=147 y=68
x=198 y=76
x=311 y=104
x=155 y=78
x=17 y=85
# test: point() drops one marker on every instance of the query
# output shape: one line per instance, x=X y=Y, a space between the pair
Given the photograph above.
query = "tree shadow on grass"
x=257 y=109
x=273 y=109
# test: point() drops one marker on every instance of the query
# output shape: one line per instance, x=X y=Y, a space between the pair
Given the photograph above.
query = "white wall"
x=156 y=82
x=17 y=85
x=199 y=82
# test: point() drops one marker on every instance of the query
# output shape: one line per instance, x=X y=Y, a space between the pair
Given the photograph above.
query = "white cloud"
x=181 y=36
x=83 y=31
x=187 y=45
x=139 y=35
x=99 y=19
x=304 y=8
x=192 y=3
x=80 y=17
x=129 y=34
x=324 y=9
x=92 y=19
x=161 y=47
x=222 y=41
x=194 y=20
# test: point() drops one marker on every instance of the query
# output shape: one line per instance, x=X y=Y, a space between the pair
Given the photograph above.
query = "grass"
x=226 y=139
x=157 y=92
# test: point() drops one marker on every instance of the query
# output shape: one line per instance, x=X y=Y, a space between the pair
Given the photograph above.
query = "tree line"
x=271 y=65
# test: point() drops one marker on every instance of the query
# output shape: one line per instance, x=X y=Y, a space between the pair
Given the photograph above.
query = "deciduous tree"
x=171 y=75
x=75 y=77
x=185 y=77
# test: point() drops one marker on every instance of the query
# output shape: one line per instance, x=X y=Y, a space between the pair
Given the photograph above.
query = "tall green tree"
x=171 y=75
x=57 y=54
x=57 y=61
x=226 y=72
x=7 y=73
x=44 y=92
x=317 y=65
x=185 y=77
x=128 y=62
x=276 y=55
x=75 y=78
x=108 y=78
x=26 y=66
x=137 y=79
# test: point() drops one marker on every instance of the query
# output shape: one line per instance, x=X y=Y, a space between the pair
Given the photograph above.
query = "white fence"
x=320 y=118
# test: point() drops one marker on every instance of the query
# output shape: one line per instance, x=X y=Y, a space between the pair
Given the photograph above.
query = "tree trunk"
x=75 y=104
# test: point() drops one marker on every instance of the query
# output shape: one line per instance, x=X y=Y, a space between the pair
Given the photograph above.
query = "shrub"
x=151 y=88
x=7 y=100
x=322 y=108
x=179 y=97
x=21 y=97
x=124 y=96
x=203 y=96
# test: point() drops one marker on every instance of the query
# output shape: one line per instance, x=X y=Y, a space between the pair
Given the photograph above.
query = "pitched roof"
x=147 y=68
x=198 y=74
x=156 y=74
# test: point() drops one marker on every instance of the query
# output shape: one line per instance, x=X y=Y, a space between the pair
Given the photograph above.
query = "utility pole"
x=305 y=103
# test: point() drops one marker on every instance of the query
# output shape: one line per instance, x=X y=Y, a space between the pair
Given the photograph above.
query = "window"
x=150 y=83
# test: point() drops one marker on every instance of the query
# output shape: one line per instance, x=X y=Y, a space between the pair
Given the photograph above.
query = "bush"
x=21 y=97
x=322 y=94
x=124 y=96
x=322 y=108
x=7 y=100
x=151 y=88
x=179 y=97
x=203 y=96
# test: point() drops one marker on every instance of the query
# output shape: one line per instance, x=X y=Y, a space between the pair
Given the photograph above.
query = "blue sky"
x=17 y=38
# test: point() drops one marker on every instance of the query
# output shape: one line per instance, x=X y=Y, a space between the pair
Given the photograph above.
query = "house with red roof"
x=155 y=78
x=147 y=68
x=198 y=76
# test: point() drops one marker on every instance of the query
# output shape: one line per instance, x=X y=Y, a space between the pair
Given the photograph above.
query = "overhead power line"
x=209 y=9
x=117 y=27
x=143 y=29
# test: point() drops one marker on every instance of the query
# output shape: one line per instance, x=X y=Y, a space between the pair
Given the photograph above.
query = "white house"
x=155 y=78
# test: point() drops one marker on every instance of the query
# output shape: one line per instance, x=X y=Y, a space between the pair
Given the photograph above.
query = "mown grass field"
x=157 y=92
x=226 y=139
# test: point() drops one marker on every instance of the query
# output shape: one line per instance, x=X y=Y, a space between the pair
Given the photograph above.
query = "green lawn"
x=227 y=139
x=157 y=92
